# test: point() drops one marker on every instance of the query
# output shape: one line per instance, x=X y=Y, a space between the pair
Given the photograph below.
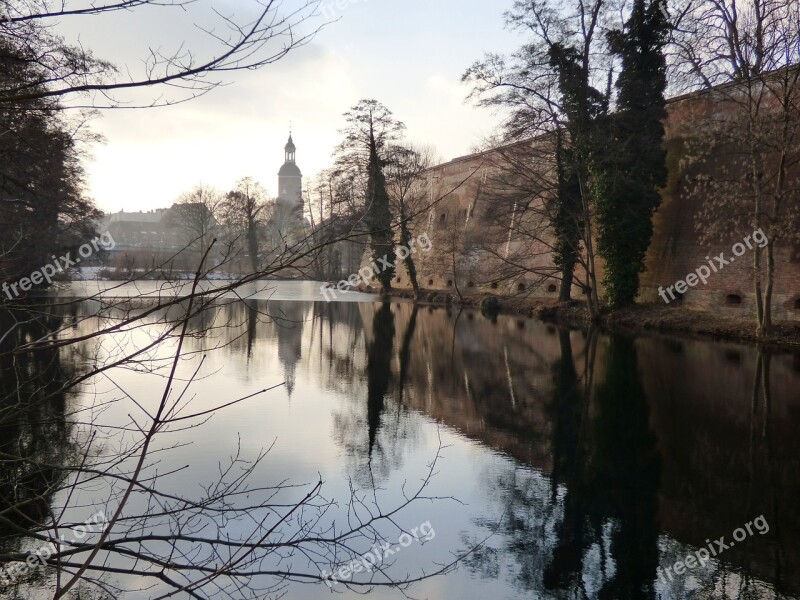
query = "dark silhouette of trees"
x=549 y=85
x=360 y=159
x=379 y=220
x=635 y=167
x=245 y=214
x=43 y=205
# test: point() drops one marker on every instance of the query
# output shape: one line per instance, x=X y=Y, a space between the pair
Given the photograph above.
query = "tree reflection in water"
x=36 y=443
x=612 y=465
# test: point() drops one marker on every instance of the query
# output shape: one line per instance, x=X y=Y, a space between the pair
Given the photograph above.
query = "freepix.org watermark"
x=367 y=562
x=59 y=265
x=365 y=274
x=702 y=273
x=700 y=557
x=18 y=569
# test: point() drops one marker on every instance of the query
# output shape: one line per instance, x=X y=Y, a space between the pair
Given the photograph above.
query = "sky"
x=407 y=54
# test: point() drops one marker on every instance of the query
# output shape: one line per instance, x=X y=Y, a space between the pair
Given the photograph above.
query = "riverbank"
x=636 y=319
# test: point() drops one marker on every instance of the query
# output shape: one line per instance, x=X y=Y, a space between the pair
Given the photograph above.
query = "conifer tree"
x=635 y=169
x=379 y=218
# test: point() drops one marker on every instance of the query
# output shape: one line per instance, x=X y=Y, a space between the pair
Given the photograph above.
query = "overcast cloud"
x=409 y=55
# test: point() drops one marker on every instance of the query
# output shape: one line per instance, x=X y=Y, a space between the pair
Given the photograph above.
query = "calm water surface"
x=587 y=460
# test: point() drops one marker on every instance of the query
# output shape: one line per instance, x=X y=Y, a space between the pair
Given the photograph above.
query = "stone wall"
x=465 y=210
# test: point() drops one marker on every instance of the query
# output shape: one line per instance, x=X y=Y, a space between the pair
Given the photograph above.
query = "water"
x=584 y=462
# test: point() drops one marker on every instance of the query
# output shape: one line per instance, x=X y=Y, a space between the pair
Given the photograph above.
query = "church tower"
x=287 y=221
x=290 y=179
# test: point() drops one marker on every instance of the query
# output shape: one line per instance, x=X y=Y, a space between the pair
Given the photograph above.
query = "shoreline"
x=642 y=318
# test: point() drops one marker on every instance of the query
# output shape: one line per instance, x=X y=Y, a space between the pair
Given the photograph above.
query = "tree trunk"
x=591 y=280
x=757 y=289
x=405 y=240
x=565 y=289
x=766 y=322
x=252 y=245
x=755 y=174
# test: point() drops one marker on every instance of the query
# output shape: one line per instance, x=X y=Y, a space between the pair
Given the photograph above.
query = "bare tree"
x=523 y=205
x=197 y=214
x=745 y=155
x=245 y=213
x=554 y=83
x=261 y=38
x=404 y=168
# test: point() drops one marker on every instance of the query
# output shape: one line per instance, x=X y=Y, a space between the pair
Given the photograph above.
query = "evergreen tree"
x=568 y=220
x=636 y=169
x=362 y=155
x=379 y=218
x=586 y=109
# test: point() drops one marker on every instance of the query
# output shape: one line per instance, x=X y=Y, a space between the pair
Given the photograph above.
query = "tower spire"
x=290 y=147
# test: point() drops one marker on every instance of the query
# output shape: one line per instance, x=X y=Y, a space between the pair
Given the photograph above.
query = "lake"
x=561 y=463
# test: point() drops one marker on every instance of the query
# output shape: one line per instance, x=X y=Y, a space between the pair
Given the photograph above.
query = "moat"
x=580 y=464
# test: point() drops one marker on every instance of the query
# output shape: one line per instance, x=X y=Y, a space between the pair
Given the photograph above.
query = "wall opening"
x=552 y=288
x=520 y=287
x=471 y=284
x=430 y=281
x=449 y=283
x=733 y=300
x=494 y=285
x=797 y=304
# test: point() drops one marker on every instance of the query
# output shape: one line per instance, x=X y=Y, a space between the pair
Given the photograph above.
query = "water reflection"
x=379 y=369
x=36 y=444
x=610 y=456
x=627 y=452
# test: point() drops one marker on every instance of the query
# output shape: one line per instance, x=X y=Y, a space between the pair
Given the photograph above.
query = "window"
x=494 y=285
x=449 y=283
x=733 y=300
x=471 y=284
x=443 y=220
x=430 y=281
x=551 y=288
x=797 y=304
x=520 y=287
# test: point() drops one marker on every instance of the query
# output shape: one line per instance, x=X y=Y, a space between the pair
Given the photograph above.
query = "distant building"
x=287 y=225
x=153 y=230
x=145 y=239
x=290 y=179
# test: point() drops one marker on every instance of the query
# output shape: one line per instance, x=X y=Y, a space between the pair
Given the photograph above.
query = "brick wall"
x=464 y=210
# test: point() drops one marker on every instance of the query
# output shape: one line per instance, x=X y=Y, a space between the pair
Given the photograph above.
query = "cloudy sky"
x=409 y=55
